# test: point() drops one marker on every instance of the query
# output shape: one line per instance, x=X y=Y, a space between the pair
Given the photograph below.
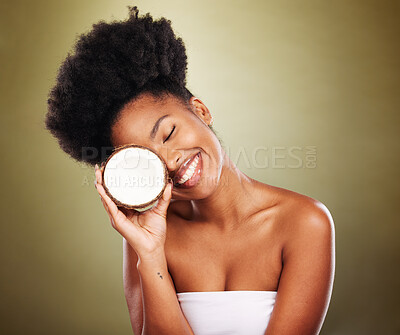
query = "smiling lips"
x=189 y=173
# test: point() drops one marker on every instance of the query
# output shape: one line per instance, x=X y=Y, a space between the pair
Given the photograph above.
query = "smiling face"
x=182 y=137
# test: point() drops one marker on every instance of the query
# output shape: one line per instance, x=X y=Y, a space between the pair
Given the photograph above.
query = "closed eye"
x=169 y=135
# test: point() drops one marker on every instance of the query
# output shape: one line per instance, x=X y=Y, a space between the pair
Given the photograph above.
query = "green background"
x=276 y=75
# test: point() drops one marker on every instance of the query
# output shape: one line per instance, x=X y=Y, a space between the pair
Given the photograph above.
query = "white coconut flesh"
x=135 y=176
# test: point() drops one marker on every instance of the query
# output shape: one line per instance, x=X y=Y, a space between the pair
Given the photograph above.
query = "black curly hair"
x=113 y=64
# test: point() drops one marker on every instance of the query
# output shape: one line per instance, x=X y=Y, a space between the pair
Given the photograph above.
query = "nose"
x=172 y=158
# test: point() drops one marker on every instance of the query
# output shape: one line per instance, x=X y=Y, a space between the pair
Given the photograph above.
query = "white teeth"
x=190 y=171
x=187 y=175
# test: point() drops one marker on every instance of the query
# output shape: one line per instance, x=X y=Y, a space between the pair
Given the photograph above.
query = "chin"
x=202 y=190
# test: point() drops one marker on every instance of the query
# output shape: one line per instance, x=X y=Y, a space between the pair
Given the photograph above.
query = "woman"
x=240 y=256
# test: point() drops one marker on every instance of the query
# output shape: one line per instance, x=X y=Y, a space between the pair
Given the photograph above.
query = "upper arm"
x=306 y=280
x=132 y=288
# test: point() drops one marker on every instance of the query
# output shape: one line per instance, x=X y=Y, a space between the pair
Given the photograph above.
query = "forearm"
x=161 y=310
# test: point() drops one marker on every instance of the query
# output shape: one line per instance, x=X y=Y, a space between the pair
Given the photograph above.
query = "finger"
x=97 y=184
x=105 y=206
x=98 y=172
x=129 y=213
x=164 y=201
x=127 y=228
x=108 y=213
x=107 y=202
x=118 y=217
x=98 y=175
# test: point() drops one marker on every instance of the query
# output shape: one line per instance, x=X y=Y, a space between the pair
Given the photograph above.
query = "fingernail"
x=96 y=166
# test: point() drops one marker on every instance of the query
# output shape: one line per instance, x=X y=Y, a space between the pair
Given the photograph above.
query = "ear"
x=201 y=110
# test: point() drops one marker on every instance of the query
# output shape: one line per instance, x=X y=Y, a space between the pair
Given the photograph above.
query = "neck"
x=231 y=201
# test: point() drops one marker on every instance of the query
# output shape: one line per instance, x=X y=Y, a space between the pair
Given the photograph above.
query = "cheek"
x=197 y=137
x=191 y=136
x=212 y=156
x=200 y=138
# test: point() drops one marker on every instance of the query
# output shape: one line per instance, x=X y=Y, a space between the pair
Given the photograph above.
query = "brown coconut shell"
x=119 y=203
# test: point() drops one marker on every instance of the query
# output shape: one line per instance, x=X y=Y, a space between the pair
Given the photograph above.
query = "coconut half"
x=135 y=177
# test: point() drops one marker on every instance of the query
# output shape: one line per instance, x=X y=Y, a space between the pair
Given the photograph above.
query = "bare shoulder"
x=308 y=258
x=298 y=212
x=303 y=218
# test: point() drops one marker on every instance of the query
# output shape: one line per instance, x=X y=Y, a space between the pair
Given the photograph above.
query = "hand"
x=144 y=231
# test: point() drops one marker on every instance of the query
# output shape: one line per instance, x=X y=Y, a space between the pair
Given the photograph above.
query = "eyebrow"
x=156 y=126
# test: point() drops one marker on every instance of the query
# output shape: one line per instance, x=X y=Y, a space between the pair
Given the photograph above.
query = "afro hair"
x=112 y=65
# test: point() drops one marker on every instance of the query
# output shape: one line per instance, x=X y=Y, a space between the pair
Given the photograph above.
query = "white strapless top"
x=227 y=312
